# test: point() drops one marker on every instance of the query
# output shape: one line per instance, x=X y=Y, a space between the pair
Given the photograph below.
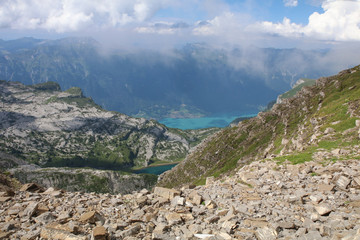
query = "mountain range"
x=193 y=80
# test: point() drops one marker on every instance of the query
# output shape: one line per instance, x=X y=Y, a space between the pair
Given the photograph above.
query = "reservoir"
x=157 y=170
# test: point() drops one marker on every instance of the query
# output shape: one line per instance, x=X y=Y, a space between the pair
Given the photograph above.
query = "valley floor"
x=262 y=200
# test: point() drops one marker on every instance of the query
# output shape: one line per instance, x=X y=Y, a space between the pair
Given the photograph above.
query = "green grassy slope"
x=291 y=93
x=318 y=123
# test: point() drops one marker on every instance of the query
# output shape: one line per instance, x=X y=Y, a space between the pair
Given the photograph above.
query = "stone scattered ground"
x=262 y=200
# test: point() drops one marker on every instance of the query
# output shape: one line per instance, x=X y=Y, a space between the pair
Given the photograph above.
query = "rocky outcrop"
x=263 y=200
x=299 y=84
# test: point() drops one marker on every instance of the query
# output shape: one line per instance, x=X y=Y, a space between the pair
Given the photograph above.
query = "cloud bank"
x=339 y=22
x=222 y=21
x=73 y=15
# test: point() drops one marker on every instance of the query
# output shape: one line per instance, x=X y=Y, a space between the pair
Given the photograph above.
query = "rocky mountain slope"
x=263 y=201
x=44 y=126
x=319 y=123
x=290 y=173
x=48 y=127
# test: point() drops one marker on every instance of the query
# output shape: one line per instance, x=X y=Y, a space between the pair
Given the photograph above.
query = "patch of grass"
x=97 y=184
x=295 y=158
x=328 y=145
x=80 y=102
x=345 y=124
x=150 y=179
x=47 y=86
x=51 y=99
x=245 y=183
x=200 y=182
x=292 y=92
x=75 y=91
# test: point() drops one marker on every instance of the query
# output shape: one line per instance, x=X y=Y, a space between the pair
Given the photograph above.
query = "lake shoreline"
x=157 y=165
x=156 y=169
x=220 y=121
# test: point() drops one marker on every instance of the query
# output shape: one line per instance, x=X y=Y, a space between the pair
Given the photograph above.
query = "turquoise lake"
x=157 y=170
x=203 y=122
x=192 y=123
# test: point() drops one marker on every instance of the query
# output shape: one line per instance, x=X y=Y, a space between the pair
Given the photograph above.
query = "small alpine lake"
x=157 y=170
x=203 y=122
x=192 y=123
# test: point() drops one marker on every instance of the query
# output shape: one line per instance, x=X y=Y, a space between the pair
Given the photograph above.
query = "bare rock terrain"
x=263 y=200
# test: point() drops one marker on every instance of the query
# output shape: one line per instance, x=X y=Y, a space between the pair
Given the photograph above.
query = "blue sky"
x=170 y=22
x=276 y=11
x=271 y=10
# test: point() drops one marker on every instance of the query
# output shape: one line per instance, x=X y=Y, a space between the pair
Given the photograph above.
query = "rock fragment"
x=323 y=209
x=266 y=233
x=131 y=231
x=30 y=210
x=173 y=218
x=55 y=234
x=343 y=182
x=166 y=192
x=325 y=187
x=31 y=187
x=99 y=233
x=91 y=217
x=195 y=198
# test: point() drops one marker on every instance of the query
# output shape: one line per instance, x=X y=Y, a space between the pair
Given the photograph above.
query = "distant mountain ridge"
x=193 y=80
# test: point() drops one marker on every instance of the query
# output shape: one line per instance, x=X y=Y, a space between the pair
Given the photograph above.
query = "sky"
x=167 y=23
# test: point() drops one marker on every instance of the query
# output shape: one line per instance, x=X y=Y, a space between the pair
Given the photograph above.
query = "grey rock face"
x=88 y=180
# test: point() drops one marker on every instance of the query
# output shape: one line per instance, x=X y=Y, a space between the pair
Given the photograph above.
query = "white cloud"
x=163 y=28
x=339 y=22
x=286 y=28
x=290 y=3
x=227 y=24
x=72 y=15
